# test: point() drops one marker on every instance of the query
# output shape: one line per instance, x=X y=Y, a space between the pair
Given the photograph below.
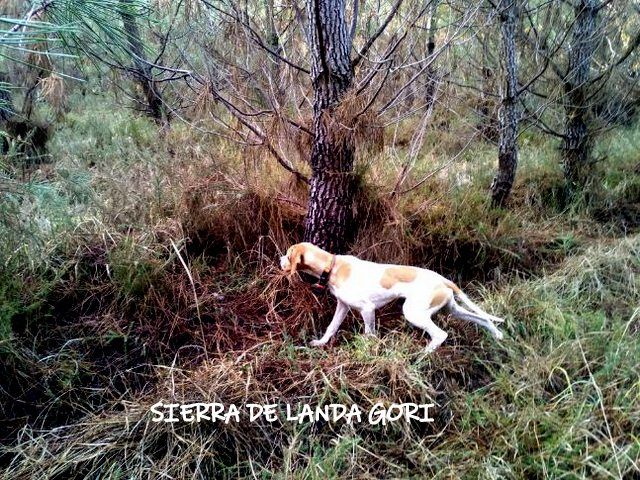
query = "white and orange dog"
x=366 y=286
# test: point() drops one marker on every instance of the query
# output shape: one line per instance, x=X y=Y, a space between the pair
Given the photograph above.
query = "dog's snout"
x=284 y=262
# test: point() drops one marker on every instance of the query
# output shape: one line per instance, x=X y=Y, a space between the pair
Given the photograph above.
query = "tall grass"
x=559 y=397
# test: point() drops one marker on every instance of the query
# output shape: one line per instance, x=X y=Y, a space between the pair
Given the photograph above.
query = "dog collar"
x=325 y=275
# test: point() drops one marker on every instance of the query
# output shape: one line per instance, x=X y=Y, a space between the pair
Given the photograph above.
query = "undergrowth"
x=559 y=395
x=139 y=267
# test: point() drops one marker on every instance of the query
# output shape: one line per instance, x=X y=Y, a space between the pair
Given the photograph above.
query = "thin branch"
x=255 y=36
x=634 y=44
x=239 y=116
x=363 y=52
x=375 y=95
x=534 y=78
x=440 y=168
x=539 y=123
x=35 y=11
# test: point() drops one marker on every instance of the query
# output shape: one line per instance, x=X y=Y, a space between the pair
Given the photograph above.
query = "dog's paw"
x=317 y=343
x=499 y=335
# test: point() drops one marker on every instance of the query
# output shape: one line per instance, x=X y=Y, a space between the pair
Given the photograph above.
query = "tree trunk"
x=141 y=69
x=329 y=218
x=6 y=102
x=432 y=82
x=577 y=148
x=30 y=97
x=6 y=110
x=509 y=115
x=273 y=41
x=489 y=124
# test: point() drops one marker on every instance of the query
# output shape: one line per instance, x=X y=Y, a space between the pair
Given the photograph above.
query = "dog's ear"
x=296 y=257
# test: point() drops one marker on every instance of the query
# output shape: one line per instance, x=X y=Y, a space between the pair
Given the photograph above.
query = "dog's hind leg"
x=415 y=313
x=338 y=317
x=463 y=314
x=470 y=304
x=369 y=317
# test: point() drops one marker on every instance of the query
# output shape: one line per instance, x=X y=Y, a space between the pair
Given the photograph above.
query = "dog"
x=365 y=286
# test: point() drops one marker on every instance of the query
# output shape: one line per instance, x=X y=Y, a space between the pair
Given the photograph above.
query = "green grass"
x=566 y=396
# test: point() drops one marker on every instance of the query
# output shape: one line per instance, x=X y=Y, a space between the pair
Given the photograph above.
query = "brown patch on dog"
x=393 y=275
x=453 y=286
x=440 y=297
x=296 y=258
x=342 y=274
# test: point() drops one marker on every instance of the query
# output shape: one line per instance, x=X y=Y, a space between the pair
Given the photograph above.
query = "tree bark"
x=577 y=148
x=509 y=115
x=329 y=220
x=141 y=69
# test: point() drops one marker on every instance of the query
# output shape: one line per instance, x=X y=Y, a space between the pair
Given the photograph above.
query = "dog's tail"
x=457 y=291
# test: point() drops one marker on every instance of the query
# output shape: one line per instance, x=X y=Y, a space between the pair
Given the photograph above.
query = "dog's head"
x=293 y=260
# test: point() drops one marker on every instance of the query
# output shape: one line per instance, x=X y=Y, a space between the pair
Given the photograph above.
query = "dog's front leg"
x=338 y=317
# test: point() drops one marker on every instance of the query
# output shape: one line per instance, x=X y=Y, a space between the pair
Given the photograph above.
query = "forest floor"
x=140 y=266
